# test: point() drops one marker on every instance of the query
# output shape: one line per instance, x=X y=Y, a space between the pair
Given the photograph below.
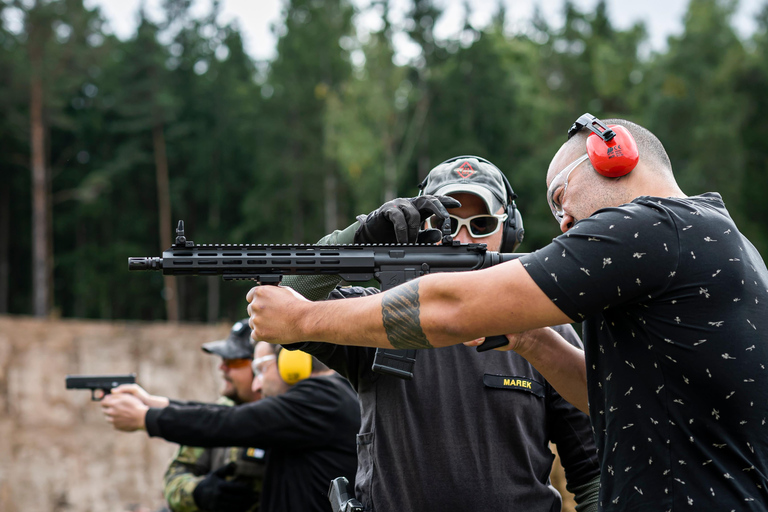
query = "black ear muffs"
x=612 y=150
x=294 y=365
x=512 y=231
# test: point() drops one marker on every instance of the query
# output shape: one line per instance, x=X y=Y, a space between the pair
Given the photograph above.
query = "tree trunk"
x=214 y=282
x=331 y=192
x=5 y=227
x=296 y=198
x=214 y=299
x=298 y=216
x=214 y=219
x=164 y=206
x=390 y=173
x=413 y=135
x=81 y=239
x=41 y=265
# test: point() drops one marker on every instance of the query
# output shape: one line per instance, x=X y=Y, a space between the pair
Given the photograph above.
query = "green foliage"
x=283 y=203
x=366 y=128
x=751 y=86
x=690 y=104
x=284 y=151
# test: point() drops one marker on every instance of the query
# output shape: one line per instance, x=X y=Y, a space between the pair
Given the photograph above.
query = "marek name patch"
x=513 y=382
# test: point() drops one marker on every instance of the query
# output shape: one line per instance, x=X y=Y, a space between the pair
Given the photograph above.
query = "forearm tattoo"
x=400 y=312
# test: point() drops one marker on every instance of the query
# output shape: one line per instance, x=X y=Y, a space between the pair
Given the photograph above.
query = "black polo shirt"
x=471 y=431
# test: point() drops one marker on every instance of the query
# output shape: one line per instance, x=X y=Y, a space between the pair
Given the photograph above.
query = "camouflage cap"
x=468 y=174
x=236 y=346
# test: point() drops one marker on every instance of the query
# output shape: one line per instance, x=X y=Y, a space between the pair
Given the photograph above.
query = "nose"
x=223 y=367
x=463 y=236
x=566 y=223
x=256 y=384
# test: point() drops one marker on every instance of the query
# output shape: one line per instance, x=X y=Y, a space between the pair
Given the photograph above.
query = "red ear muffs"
x=615 y=157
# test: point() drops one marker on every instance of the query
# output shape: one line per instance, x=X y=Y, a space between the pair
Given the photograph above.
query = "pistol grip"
x=492 y=342
x=97 y=395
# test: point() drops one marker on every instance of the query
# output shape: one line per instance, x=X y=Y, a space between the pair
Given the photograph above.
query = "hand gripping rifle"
x=389 y=264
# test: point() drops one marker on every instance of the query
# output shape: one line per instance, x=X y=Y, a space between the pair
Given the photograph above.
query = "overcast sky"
x=662 y=17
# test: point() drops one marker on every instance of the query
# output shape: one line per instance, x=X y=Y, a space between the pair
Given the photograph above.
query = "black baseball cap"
x=236 y=346
x=471 y=175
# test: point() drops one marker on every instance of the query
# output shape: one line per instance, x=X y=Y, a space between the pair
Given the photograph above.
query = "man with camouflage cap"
x=471 y=430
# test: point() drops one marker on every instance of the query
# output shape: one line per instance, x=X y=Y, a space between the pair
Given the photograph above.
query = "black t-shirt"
x=673 y=299
x=308 y=432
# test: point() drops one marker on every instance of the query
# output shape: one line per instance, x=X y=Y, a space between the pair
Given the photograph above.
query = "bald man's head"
x=575 y=190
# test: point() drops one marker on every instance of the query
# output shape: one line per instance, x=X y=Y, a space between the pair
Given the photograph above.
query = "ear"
x=615 y=157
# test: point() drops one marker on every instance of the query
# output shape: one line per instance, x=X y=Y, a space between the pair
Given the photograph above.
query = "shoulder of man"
x=179 y=493
x=222 y=400
x=330 y=381
x=326 y=388
x=191 y=456
x=186 y=470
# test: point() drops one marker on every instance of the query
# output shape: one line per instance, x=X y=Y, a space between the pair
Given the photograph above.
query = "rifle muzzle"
x=145 y=263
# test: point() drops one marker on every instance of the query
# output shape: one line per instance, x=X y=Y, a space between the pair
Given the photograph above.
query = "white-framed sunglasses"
x=479 y=226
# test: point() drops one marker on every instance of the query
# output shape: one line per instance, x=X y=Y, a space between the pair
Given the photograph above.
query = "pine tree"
x=297 y=196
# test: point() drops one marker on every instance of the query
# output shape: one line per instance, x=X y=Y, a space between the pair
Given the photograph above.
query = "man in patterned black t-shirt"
x=673 y=302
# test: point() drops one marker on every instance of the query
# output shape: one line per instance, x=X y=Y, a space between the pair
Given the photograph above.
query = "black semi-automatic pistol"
x=101 y=383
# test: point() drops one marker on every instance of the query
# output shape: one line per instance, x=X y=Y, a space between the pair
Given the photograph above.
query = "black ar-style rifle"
x=389 y=264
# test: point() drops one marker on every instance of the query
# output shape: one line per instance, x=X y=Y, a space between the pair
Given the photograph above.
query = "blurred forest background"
x=105 y=144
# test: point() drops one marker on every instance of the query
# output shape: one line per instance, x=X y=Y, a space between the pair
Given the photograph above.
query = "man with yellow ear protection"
x=306 y=421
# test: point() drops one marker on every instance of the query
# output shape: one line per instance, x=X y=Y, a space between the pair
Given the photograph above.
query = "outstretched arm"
x=142 y=394
x=431 y=311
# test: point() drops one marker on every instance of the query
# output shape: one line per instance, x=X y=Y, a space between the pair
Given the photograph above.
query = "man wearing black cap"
x=236 y=352
x=225 y=478
x=493 y=413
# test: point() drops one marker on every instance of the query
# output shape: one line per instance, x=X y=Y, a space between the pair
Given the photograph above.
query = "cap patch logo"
x=465 y=171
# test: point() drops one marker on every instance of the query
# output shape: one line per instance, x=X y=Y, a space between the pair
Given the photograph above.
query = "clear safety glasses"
x=556 y=190
x=259 y=363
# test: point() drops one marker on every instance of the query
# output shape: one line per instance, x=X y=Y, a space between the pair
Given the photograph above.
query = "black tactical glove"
x=400 y=220
x=215 y=493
